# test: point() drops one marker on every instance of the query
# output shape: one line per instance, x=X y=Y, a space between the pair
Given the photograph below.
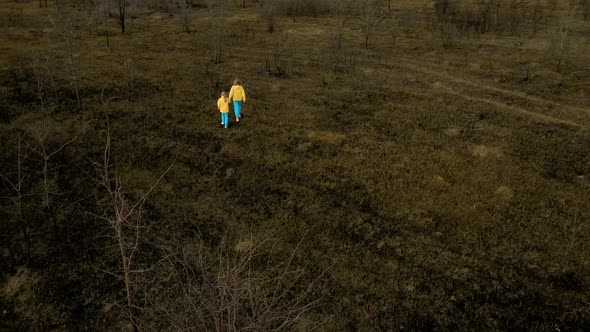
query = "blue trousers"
x=237 y=108
x=225 y=119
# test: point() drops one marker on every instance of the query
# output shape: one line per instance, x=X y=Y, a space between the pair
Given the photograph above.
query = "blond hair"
x=223 y=93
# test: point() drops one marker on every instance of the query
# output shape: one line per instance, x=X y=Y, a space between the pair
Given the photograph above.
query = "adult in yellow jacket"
x=238 y=95
x=223 y=106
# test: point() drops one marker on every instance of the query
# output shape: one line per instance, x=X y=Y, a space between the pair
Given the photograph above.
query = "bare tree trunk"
x=125 y=264
x=338 y=9
x=121 y=215
x=74 y=71
x=560 y=40
x=128 y=78
x=122 y=9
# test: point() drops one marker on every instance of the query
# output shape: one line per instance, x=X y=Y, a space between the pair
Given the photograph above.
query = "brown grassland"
x=420 y=183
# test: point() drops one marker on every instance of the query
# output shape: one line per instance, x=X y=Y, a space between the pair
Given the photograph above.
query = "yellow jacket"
x=237 y=93
x=223 y=104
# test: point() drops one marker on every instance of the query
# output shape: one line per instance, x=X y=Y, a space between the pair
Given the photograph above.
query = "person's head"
x=237 y=81
x=223 y=94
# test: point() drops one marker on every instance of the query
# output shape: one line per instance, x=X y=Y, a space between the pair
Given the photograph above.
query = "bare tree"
x=122 y=216
x=41 y=75
x=536 y=16
x=372 y=13
x=65 y=26
x=16 y=185
x=128 y=76
x=269 y=11
x=517 y=11
x=585 y=4
x=445 y=14
x=560 y=39
x=275 y=60
x=216 y=10
x=98 y=12
x=187 y=19
x=338 y=9
x=121 y=15
x=46 y=144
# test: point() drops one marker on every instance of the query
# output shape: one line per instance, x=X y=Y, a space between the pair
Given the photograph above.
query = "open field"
x=399 y=186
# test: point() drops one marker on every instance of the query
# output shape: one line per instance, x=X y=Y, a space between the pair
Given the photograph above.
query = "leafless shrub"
x=231 y=289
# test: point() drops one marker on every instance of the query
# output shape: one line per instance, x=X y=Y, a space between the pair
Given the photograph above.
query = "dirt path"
x=461 y=84
x=517 y=110
x=417 y=65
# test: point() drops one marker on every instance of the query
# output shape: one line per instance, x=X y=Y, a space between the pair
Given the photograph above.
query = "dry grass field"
x=419 y=183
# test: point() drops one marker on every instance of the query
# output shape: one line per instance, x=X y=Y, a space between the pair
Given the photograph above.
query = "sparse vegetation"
x=401 y=164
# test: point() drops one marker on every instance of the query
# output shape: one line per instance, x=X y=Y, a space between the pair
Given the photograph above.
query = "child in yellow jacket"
x=238 y=95
x=223 y=106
